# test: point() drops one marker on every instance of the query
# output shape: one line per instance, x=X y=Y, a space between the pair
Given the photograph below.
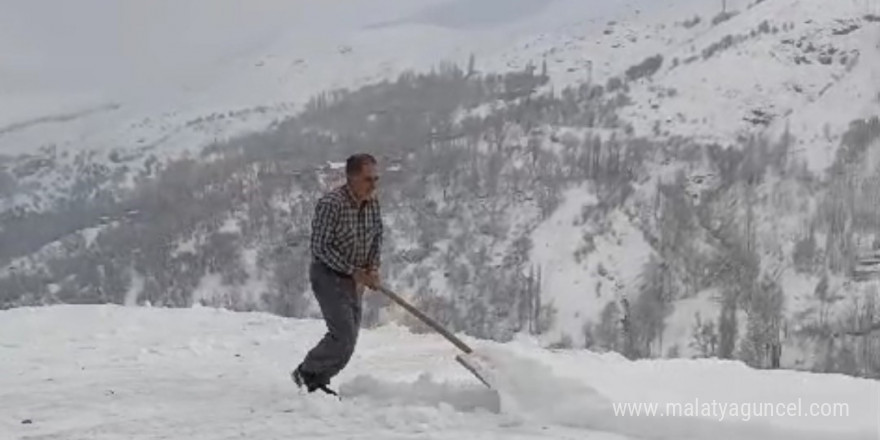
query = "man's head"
x=361 y=175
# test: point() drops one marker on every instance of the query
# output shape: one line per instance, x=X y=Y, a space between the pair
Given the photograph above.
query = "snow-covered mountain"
x=169 y=165
x=114 y=372
x=182 y=76
x=148 y=82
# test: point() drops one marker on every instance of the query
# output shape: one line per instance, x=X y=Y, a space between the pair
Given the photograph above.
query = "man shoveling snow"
x=345 y=244
x=346 y=240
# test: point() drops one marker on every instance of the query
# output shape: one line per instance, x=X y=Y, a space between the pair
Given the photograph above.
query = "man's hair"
x=355 y=163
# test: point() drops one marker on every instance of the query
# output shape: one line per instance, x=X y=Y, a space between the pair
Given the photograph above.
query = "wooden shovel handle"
x=427 y=320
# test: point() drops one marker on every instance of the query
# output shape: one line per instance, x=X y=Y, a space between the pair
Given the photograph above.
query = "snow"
x=230 y=226
x=90 y=234
x=134 y=291
x=187 y=246
x=714 y=96
x=210 y=289
x=565 y=281
x=579 y=290
x=850 y=93
x=127 y=372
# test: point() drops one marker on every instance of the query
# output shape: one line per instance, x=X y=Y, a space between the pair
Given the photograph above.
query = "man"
x=346 y=240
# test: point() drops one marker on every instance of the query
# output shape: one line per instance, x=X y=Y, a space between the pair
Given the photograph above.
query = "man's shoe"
x=310 y=381
x=325 y=389
x=297 y=377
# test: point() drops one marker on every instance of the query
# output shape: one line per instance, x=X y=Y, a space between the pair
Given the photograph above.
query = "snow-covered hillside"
x=769 y=66
x=163 y=78
x=702 y=74
x=150 y=81
x=103 y=372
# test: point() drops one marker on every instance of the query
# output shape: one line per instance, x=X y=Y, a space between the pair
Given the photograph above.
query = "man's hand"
x=369 y=278
x=373 y=275
x=360 y=277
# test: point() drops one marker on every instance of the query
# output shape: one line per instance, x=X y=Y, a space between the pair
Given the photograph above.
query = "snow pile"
x=530 y=390
x=426 y=390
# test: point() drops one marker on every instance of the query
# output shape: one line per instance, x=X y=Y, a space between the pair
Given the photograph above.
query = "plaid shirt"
x=344 y=236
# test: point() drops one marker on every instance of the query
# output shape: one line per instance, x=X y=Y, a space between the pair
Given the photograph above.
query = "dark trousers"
x=340 y=304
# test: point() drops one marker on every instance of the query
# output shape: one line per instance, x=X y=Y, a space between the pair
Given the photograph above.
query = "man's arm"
x=375 y=254
x=326 y=217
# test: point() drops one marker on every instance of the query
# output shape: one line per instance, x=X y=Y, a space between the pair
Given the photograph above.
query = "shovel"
x=467 y=361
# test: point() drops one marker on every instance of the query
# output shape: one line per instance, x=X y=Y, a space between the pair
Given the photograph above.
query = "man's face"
x=364 y=183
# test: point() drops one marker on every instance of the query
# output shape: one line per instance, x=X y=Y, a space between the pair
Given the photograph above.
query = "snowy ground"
x=107 y=372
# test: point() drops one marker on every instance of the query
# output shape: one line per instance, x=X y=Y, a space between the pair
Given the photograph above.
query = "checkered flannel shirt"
x=346 y=237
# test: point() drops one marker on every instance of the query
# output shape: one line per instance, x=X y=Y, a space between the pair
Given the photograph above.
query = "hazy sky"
x=93 y=42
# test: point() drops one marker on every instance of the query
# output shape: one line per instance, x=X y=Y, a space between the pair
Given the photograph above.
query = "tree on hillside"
x=652 y=306
x=608 y=332
x=677 y=227
x=736 y=270
x=704 y=338
x=804 y=253
x=630 y=347
x=727 y=327
x=645 y=69
x=762 y=343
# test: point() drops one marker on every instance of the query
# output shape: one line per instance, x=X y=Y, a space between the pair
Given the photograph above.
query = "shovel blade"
x=477 y=368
